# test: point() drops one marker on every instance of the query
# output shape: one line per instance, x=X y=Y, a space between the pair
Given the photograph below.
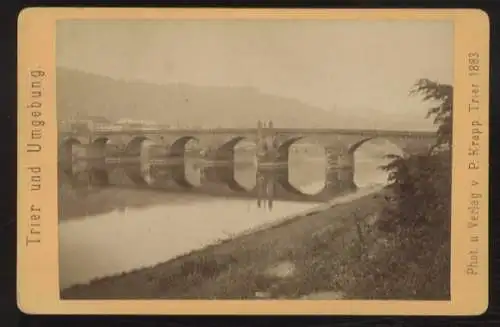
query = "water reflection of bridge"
x=111 y=156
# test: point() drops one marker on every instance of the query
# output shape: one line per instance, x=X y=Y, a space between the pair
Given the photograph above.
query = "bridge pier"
x=166 y=169
x=217 y=171
x=65 y=158
x=66 y=164
x=339 y=171
x=218 y=179
x=132 y=167
x=168 y=177
x=88 y=165
x=99 y=175
x=268 y=187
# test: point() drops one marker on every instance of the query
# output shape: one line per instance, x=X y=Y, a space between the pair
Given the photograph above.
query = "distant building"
x=135 y=121
x=95 y=119
x=81 y=123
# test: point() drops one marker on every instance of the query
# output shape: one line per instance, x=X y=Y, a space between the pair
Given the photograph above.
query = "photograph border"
x=37 y=267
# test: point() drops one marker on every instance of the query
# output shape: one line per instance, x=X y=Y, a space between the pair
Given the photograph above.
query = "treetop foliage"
x=441 y=96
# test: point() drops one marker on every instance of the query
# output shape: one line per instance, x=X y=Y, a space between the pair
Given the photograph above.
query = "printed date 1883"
x=474 y=61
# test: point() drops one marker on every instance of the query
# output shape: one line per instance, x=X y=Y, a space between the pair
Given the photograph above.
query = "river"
x=163 y=226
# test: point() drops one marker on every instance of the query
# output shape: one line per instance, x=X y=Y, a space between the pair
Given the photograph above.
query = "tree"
x=442 y=97
x=416 y=216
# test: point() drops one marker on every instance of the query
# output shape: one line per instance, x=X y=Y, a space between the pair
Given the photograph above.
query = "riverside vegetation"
x=417 y=214
x=391 y=245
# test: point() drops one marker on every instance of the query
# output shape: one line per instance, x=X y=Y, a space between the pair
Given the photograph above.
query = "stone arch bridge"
x=99 y=151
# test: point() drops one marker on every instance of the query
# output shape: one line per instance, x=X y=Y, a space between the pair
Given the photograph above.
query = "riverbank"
x=301 y=256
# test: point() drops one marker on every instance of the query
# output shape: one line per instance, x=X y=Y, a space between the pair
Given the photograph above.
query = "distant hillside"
x=95 y=95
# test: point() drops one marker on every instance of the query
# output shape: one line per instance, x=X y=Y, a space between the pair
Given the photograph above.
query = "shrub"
x=419 y=194
x=420 y=184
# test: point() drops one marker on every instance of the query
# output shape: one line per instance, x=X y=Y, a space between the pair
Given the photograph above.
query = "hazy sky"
x=352 y=65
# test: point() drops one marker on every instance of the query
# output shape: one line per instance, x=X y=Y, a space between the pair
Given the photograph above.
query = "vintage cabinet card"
x=253 y=161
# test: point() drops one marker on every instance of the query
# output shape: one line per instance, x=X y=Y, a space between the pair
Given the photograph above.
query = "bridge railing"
x=118 y=128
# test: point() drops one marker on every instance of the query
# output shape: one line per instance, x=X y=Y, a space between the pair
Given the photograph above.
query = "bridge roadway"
x=102 y=151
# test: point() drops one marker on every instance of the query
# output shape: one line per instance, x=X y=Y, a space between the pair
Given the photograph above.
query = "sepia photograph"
x=250 y=160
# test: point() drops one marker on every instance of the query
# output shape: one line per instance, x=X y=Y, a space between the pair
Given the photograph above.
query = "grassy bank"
x=327 y=251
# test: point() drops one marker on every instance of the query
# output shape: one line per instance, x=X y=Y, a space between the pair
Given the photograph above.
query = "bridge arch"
x=101 y=141
x=284 y=147
x=133 y=151
x=243 y=172
x=100 y=175
x=229 y=145
x=369 y=155
x=357 y=145
x=305 y=166
x=134 y=146
x=178 y=147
